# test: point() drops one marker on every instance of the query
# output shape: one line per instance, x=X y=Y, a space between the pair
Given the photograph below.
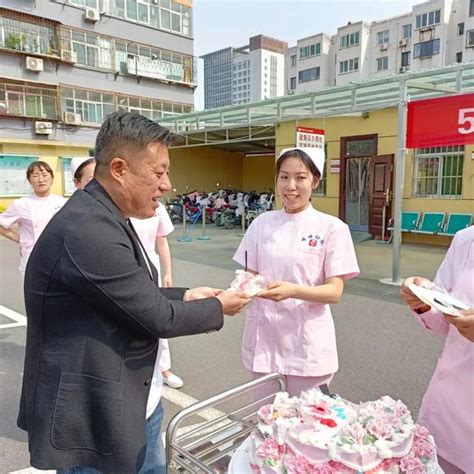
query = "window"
x=162 y=14
x=86 y=3
x=438 y=172
x=308 y=75
x=460 y=29
x=27 y=37
x=293 y=60
x=470 y=39
x=405 y=59
x=382 y=63
x=407 y=31
x=383 y=37
x=28 y=100
x=292 y=83
x=459 y=57
x=428 y=19
x=426 y=49
x=471 y=7
x=349 y=65
x=310 y=50
x=352 y=39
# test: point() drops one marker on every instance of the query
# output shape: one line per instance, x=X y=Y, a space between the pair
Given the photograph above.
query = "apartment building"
x=64 y=65
x=434 y=34
x=245 y=74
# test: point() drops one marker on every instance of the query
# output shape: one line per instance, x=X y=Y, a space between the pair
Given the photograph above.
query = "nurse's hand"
x=410 y=299
x=278 y=291
x=464 y=324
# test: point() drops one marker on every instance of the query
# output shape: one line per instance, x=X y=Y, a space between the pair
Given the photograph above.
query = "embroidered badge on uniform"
x=313 y=240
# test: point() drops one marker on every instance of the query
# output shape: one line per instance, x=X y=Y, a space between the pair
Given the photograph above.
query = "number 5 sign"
x=441 y=122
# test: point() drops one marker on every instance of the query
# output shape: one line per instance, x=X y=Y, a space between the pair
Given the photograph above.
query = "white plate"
x=438 y=300
x=240 y=461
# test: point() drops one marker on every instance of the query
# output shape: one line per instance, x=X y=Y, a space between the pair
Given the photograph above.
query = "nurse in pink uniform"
x=447 y=409
x=33 y=212
x=305 y=256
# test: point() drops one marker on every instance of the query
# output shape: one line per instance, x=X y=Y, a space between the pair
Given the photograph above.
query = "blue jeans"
x=155 y=456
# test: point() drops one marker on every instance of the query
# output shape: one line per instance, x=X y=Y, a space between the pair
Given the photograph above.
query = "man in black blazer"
x=95 y=312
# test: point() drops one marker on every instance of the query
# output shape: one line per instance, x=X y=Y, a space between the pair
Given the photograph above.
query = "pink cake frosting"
x=248 y=282
x=319 y=434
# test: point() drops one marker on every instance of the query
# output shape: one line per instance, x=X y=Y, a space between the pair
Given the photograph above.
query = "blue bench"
x=410 y=220
x=431 y=224
x=456 y=222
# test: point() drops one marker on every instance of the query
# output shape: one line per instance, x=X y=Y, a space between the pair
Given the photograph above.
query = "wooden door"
x=380 y=193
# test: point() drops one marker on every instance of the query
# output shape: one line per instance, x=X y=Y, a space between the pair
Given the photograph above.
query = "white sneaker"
x=173 y=381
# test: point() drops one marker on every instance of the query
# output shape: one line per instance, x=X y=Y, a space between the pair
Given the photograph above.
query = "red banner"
x=441 y=122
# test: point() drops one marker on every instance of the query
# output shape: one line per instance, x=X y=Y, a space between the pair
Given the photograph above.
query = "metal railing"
x=208 y=446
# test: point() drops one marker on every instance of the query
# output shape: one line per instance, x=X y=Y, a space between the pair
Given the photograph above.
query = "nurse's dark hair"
x=80 y=171
x=301 y=155
x=123 y=134
x=40 y=165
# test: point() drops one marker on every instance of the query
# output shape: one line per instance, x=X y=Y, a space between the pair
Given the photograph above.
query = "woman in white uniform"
x=31 y=213
x=152 y=233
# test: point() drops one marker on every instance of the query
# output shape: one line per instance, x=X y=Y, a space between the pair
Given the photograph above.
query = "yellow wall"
x=205 y=169
x=258 y=173
x=49 y=153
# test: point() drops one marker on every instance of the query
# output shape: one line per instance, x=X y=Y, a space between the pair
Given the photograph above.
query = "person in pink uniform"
x=82 y=170
x=152 y=233
x=31 y=213
x=305 y=256
x=447 y=409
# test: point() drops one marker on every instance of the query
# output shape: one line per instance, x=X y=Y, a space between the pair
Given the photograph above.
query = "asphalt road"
x=382 y=349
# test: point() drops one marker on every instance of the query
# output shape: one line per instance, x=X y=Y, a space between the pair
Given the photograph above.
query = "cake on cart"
x=314 y=433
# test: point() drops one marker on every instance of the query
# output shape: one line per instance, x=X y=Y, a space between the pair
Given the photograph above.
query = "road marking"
x=19 y=319
x=184 y=401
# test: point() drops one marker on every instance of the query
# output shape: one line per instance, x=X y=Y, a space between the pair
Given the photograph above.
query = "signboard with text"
x=309 y=137
x=442 y=121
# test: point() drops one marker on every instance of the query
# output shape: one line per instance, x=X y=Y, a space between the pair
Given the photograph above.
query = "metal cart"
x=208 y=447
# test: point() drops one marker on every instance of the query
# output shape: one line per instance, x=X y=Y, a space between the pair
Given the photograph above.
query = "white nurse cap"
x=77 y=161
x=316 y=155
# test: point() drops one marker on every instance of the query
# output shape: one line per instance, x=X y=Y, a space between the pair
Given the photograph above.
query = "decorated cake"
x=248 y=282
x=319 y=434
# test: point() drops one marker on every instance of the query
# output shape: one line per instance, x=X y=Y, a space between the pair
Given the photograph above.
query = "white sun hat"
x=77 y=161
x=316 y=154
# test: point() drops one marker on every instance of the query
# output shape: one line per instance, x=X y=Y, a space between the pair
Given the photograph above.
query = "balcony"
x=27 y=38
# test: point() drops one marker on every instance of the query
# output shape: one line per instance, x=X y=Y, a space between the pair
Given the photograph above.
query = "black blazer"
x=94 y=319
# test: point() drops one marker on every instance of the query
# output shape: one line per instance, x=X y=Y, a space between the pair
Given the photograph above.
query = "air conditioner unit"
x=43 y=128
x=68 y=56
x=72 y=118
x=403 y=69
x=34 y=64
x=403 y=42
x=91 y=14
x=383 y=46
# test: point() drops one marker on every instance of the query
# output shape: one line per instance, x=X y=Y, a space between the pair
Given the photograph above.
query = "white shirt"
x=32 y=214
x=159 y=225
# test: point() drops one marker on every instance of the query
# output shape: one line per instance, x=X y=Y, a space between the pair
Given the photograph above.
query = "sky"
x=224 y=23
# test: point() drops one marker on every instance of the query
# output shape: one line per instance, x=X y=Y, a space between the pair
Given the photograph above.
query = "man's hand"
x=278 y=290
x=410 y=299
x=233 y=301
x=464 y=324
x=200 y=293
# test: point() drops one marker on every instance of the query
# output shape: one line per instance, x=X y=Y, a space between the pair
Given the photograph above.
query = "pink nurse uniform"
x=294 y=337
x=31 y=213
x=448 y=405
